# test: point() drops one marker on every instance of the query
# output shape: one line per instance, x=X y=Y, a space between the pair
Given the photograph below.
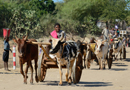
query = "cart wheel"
x=77 y=68
x=124 y=52
x=43 y=72
x=41 y=68
x=88 y=58
x=110 y=58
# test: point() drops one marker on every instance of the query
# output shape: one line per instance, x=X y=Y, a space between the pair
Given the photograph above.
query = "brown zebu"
x=27 y=52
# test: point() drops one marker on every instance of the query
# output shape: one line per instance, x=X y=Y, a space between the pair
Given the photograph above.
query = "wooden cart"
x=111 y=55
x=46 y=62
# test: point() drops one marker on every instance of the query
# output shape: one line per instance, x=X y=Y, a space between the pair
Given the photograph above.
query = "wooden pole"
x=47 y=54
x=42 y=43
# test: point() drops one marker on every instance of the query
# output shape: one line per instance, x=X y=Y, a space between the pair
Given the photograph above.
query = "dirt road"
x=118 y=78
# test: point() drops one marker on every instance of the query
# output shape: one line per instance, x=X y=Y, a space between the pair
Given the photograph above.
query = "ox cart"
x=116 y=42
x=46 y=62
x=91 y=55
x=111 y=53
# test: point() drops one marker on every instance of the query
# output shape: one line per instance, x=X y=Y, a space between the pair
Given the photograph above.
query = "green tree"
x=5 y=14
x=42 y=6
x=90 y=11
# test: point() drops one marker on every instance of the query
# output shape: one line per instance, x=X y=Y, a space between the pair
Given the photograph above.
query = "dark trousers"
x=5 y=56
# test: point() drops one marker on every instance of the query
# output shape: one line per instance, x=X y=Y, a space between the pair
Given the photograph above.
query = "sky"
x=57 y=0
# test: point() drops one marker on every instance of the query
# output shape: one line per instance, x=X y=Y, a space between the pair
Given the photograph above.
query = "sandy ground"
x=118 y=78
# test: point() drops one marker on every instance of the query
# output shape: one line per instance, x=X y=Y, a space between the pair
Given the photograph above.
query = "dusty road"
x=118 y=78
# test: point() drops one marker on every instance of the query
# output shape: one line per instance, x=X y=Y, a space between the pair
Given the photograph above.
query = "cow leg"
x=36 y=77
x=70 y=71
x=88 y=64
x=26 y=70
x=104 y=59
x=31 y=69
x=67 y=71
x=21 y=68
x=88 y=58
x=60 y=70
x=101 y=63
x=84 y=60
x=121 y=54
x=116 y=57
x=66 y=75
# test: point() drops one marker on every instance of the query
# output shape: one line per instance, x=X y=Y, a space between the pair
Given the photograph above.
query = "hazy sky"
x=57 y=0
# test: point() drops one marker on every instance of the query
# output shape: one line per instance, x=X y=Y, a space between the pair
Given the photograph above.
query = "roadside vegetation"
x=37 y=17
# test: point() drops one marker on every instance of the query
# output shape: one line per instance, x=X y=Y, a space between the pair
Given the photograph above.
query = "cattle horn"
x=95 y=40
x=26 y=37
x=72 y=36
x=62 y=36
x=16 y=37
x=104 y=41
x=83 y=39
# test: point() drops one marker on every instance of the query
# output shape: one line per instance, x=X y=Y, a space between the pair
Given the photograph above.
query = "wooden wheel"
x=77 y=68
x=43 y=71
x=41 y=68
x=124 y=52
x=110 y=58
x=88 y=58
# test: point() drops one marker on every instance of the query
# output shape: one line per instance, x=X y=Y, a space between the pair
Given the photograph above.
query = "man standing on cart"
x=105 y=33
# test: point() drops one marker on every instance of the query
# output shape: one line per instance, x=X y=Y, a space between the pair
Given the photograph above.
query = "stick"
x=43 y=43
x=47 y=54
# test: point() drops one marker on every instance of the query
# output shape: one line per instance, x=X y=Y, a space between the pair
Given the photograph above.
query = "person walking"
x=6 y=53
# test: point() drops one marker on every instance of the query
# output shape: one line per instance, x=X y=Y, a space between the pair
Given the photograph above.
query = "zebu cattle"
x=65 y=53
x=83 y=49
x=101 y=52
x=90 y=55
x=117 y=47
x=27 y=52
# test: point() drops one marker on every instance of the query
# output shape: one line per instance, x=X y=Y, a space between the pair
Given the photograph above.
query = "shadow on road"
x=94 y=84
x=118 y=69
x=9 y=73
x=115 y=69
x=128 y=60
x=120 y=64
x=80 y=84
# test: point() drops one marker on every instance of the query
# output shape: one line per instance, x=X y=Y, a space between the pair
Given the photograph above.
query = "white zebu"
x=117 y=47
x=101 y=51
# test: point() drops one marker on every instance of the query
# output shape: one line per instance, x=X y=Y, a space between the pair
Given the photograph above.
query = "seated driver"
x=57 y=32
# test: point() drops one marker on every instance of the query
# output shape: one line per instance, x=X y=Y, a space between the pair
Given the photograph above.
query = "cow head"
x=99 y=45
x=82 y=46
x=116 y=43
x=22 y=45
x=56 y=43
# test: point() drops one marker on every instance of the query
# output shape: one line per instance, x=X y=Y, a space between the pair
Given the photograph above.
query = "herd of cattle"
x=66 y=52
